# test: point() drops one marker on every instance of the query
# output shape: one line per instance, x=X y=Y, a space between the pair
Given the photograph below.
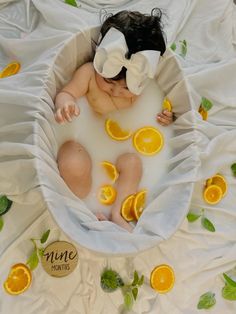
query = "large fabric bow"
x=110 y=57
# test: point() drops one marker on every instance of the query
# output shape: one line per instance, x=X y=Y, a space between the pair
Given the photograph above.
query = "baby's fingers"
x=165 y=117
x=58 y=116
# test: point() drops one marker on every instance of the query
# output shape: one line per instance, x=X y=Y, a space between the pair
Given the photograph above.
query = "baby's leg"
x=75 y=166
x=130 y=172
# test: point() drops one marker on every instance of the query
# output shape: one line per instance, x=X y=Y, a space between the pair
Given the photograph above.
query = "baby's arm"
x=165 y=117
x=65 y=101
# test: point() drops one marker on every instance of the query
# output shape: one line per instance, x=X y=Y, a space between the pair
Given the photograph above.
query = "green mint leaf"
x=71 y=2
x=110 y=280
x=3 y=204
x=33 y=260
x=229 y=292
x=233 y=168
x=173 y=46
x=41 y=252
x=229 y=281
x=141 y=280
x=206 y=104
x=192 y=217
x=128 y=301
x=183 y=48
x=207 y=224
x=1 y=223
x=135 y=293
x=206 y=301
x=45 y=236
x=136 y=278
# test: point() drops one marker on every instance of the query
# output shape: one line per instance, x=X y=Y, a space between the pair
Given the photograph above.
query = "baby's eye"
x=108 y=81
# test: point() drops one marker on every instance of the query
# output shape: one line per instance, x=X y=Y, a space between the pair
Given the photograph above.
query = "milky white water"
x=88 y=129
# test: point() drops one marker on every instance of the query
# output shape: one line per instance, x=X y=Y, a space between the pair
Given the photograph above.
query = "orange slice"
x=166 y=105
x=18 y=280
x=11 y=69
x=212 y=194
x=139 y=203
x=107 y=194
x=162 y=278
x=220 y=181
x=115 y=131
x=127 y=208
x=111 y=170
x=203 y=113
x=148 y=140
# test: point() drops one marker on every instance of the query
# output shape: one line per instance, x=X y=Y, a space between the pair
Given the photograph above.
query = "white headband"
x=110 y=58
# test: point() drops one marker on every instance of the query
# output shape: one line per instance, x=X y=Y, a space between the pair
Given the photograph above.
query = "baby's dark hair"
x=141 y=31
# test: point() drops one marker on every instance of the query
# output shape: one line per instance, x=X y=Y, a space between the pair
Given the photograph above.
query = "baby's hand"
x=66 y=112
x=165 y=117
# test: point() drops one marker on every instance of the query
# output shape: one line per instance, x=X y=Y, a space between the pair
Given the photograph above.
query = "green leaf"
x=71 y=2
x=3 y=204
x=206 y=301
x=1 y=223
x=229 y=292
x=192 y=217
x=229 y=281
x=135 y=293
x=233 y=168
x=110 y=280
x=128 y=301
x=141 y=280
x=136 y=278
x=207 y=224
x=173 y=46
x=41 y=252
x=45 y=236
x=206 y=104
x=183 y=48
x=33 y=260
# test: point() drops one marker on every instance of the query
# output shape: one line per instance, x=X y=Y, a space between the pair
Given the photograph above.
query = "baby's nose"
x=115 y=91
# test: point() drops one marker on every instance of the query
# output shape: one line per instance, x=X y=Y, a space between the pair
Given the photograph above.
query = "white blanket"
x=38 y=33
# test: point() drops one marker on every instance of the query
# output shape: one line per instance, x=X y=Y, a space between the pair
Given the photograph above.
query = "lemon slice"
x=111 y=170
x=162 y=278
x=107 y=194
x=19 y=279
x=115 y=131
x=148 y=140
x=220 y=181
x=203 y=113
x=166 y=105
x=212 y=194
x=11 y=69
x=139 y=203
x=127 y=208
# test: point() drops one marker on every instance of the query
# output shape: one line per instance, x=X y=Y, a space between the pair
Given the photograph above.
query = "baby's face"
x=114 y=88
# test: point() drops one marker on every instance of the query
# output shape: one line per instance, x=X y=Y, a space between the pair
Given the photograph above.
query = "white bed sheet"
x=198 y=257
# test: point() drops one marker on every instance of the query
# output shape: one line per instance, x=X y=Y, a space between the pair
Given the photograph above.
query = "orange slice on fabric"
x=162 y=278
x=139 y=203
x=203 y=113
x=220 y=181
x=212 y=194
x=11 y=69
x=166 y=105
x=115 y=131
x=148 y=141
x=107 y=194
x=18 y=280
x=127 y=208
x=111 y=170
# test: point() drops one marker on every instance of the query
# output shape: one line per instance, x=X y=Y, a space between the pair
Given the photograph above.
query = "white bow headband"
x=110 y=58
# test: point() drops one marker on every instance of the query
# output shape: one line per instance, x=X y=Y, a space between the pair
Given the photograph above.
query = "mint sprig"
x=71 y=2
x=1 y=223
x=205 y=222
x=206 y=301
x=182 y=47
x=233 y=168
x=206 y=104
x=5 y=204
x=229 y=290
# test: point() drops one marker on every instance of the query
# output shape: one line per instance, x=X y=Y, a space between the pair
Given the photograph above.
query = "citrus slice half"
x=127 y=208
x=11 y=69
x=107 y=194
x=18 y=280
x=111 y=170
x=203 y=113
x=162 y=278
x=220 y=181
x=148 y=140
x=115 y=131
x=139 y=203
x=166 y=105
x=212 y=194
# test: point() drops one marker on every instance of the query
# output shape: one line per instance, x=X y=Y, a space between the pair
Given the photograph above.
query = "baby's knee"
x=129 y=162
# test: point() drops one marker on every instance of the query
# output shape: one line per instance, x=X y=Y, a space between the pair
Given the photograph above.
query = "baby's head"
x=142 y=32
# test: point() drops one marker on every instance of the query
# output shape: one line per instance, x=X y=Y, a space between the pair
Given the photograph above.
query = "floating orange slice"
x=148 y=140
x=127 y=208
x=107 y=194
x=18 y=280
x=166 y=105
x=139 y=203
x=220 y=181
x=162 y=278
x=115 y=131
x=203 y=113
x=212 y=194
x=11 y=69
x=110 y=170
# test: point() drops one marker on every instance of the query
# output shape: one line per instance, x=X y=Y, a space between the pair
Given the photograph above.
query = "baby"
x=125 y=59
